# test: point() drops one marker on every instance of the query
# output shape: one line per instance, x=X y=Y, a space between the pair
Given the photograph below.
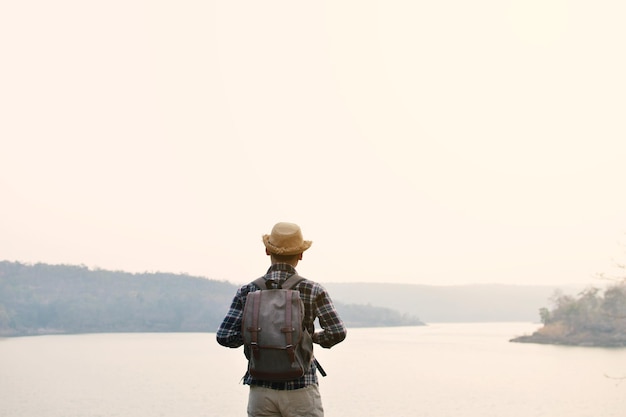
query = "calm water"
x=460 y=370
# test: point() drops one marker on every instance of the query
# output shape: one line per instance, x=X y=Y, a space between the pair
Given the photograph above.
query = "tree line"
x=59 y=299
x=594 y=317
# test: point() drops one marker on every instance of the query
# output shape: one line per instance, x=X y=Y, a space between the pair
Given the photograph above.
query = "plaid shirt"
x=317 y=304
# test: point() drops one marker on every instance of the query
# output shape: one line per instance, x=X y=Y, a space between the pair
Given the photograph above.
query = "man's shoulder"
x=247 y=288
x=312 y=286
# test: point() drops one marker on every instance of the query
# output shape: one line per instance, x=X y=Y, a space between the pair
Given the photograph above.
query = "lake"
x=439 y=370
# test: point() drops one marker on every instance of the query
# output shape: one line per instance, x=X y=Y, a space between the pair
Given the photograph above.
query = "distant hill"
x=48 y=299
x=42 y=299
x=463 y=303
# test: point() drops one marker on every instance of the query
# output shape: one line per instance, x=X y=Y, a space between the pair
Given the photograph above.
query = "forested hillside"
x=44 y=299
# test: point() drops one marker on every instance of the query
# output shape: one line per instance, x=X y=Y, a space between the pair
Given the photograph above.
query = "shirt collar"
x=281 y=267
x=278 y=274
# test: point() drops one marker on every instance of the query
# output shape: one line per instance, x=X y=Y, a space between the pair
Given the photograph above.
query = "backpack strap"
x=260 y=283
x=289 y=283
x=292 y=281
x=254 y=330
x=288 y=329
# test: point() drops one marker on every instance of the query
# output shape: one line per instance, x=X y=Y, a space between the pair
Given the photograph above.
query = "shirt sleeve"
x=229 y=332
x=333 y=330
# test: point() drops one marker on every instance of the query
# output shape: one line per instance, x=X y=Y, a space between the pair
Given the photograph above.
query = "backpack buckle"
x=254 y=346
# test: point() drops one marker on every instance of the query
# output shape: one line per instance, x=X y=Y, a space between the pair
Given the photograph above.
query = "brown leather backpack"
x=277 y=345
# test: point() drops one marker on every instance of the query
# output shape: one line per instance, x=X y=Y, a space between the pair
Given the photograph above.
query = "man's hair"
x=286 y=258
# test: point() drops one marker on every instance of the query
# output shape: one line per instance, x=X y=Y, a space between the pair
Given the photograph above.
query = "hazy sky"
x=440 y=142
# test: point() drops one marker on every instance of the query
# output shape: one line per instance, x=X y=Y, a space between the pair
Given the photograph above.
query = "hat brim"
x=306 y=244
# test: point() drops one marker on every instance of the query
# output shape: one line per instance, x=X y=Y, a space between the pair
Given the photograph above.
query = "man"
x=298 y=397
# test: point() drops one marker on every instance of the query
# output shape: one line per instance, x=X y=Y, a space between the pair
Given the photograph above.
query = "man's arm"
x=229 y=332
x=333 y=330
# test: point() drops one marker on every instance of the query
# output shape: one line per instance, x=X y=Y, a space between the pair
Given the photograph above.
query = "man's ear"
x=300 y=257
x=267 y=252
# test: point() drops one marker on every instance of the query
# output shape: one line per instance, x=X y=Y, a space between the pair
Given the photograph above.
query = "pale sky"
x=440 y=142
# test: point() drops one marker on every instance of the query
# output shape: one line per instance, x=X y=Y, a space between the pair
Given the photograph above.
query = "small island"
x=593 y=318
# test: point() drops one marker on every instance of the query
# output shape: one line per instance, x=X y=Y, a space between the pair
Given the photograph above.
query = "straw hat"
x=286 y=239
